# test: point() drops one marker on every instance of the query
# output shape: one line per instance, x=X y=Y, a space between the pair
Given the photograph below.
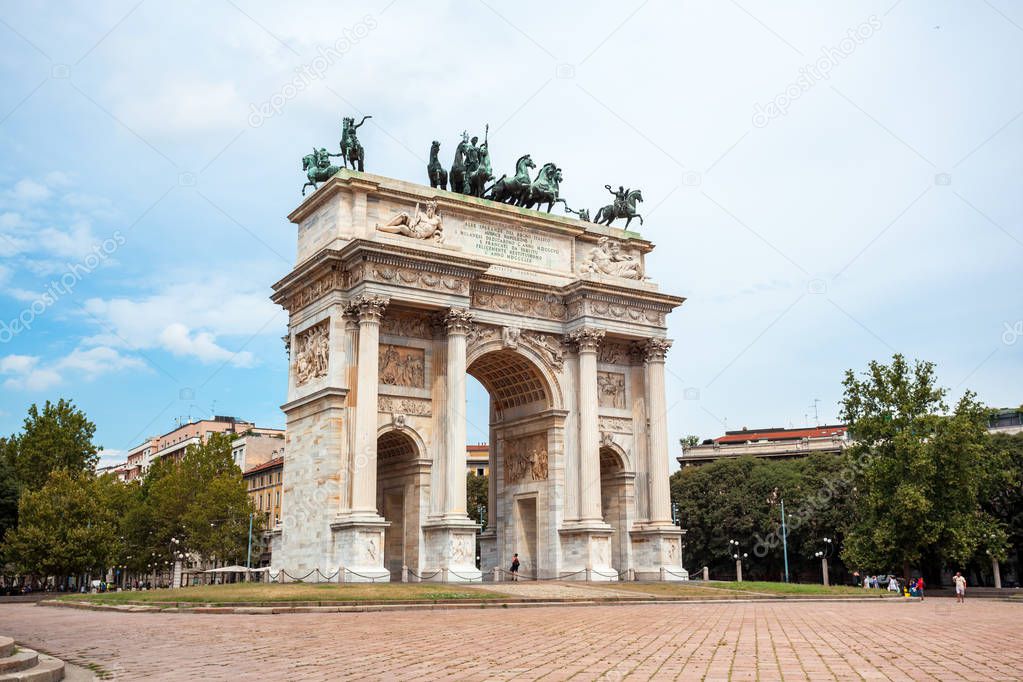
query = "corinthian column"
x=457 y=321
x=587 y=340
x=657 y=417
x=368 y=310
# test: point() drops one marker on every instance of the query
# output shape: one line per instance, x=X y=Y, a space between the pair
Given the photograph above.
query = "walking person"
x=920 y=587
x=960 y=584
x=515 y=567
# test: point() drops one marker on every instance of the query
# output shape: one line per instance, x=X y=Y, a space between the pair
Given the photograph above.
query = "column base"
x=450 y=554
x=359 y=539
x=657 y=552
x=586 y=551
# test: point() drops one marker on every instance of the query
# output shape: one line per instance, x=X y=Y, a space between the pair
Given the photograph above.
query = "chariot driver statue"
x=420 y=225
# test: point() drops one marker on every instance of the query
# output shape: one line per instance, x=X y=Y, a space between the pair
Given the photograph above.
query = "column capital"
x=655 y=350
x=586 y=339
x=457 y=320
x=367 y=307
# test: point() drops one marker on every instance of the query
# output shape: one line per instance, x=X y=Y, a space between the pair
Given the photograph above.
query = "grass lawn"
x=252 y=593
x=732 y=590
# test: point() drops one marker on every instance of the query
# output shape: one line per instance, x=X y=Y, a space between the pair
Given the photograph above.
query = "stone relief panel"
x=313 y=353
x=402 y=366
x=525 y=459
x=611 y=390
x=548 y=346
x=461 y=549
x=613 y=352
x=606 y=258
x=412 y=325
x=615 y=425
x=413 y=407
x=615 y=310
x=480 y=334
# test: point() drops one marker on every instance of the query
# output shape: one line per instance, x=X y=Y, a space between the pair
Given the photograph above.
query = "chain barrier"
x=520 y=577
x=424 y=577
x=468 y=579
x=371 y=578
x=684 y=576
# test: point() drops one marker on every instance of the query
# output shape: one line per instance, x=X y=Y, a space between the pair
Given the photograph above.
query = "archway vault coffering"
x=511 y=379
x=396 y=446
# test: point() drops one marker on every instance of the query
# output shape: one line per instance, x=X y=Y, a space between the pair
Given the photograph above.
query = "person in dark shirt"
x=515 y=567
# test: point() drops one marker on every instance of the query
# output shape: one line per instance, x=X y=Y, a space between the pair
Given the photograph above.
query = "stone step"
x=6 y=646
x=22 y=659
x=43 y=668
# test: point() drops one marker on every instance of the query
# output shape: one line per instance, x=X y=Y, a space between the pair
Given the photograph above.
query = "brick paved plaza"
x=936 y=639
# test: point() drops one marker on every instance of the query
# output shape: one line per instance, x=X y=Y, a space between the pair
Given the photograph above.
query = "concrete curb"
x=280 y=609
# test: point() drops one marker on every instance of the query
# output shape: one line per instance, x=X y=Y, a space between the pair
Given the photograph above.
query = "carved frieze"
x=314 y=290
x=313 y=353
x=525 y=459
x=402 y=366
x=547 y=307
x=510 y=337
x=415 y=278
x=417 y=407
x=611 y=390
x=615 y=425
x=617 y=310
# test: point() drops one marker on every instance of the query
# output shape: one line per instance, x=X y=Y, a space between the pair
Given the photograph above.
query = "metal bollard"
x=706 y=573
x=497 y=574
x=340 y=575
x=404 y=573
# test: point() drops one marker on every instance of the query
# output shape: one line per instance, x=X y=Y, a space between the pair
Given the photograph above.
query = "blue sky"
x=827 y=183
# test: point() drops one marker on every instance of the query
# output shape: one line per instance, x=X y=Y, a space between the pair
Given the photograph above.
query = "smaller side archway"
x=617 y=499
x=400 y=485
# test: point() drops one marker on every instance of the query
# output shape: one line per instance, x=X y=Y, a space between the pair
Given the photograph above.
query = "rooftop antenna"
x=816 y=416
x=213 y=409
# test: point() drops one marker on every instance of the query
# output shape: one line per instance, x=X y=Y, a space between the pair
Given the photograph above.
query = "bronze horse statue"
x=544 y=189
x=317 y=168
x=511 y=190
x=351 y=150
x=438 y=176
x=625 y=208
x=457 y=175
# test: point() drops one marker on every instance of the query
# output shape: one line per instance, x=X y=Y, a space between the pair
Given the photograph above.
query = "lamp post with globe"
x=738 y=555
x=824 y=555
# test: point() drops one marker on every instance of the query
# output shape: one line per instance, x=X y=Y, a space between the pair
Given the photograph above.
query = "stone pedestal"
x=657 y=553
x=451 y=552
x=586 y=552
x=359 y=546
x=489 y=556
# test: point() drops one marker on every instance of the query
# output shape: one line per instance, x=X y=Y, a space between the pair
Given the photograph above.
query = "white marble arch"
x=532 y=304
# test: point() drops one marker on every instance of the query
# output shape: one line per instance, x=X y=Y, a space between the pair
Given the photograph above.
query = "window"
x=260 y=503
x=278 y=498
x=479 y=471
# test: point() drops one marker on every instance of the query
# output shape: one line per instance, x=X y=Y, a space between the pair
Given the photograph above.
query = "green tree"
x=8 y=494
x=477 y=496
x=919 y=469
x=64 y=527
x=58 y=437
x=689 y=441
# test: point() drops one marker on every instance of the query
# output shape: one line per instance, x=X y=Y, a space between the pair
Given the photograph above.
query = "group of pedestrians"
x=914 y=587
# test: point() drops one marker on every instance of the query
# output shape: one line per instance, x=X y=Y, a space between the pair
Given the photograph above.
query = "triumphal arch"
x=399 y=292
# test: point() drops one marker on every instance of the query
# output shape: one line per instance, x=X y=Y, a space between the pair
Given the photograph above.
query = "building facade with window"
x=768 y=443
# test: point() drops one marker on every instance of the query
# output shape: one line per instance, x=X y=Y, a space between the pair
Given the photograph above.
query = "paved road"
x=936 y=639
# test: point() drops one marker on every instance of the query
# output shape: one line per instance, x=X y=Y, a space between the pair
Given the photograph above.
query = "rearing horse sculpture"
x=438 y=176
x=351 y=150
x=511 y=190
x=544 y=189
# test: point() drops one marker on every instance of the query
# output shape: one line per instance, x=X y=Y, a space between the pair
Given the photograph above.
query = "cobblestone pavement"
x=935 y=639
x=557 y=590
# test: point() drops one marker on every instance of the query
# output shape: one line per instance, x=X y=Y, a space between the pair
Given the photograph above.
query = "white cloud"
x=30 y=191
x=178 y=339
x=26 y=373
x=110 y=457
x=184 y=106
x=188 y=319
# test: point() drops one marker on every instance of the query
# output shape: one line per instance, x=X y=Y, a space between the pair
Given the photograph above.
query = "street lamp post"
x=733 y=547
x=823 y=556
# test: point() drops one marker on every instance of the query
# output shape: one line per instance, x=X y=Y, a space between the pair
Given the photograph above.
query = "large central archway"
x=399 y=492
x=525 y=437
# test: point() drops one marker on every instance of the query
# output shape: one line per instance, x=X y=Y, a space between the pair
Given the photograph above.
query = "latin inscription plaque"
x=524 y=246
